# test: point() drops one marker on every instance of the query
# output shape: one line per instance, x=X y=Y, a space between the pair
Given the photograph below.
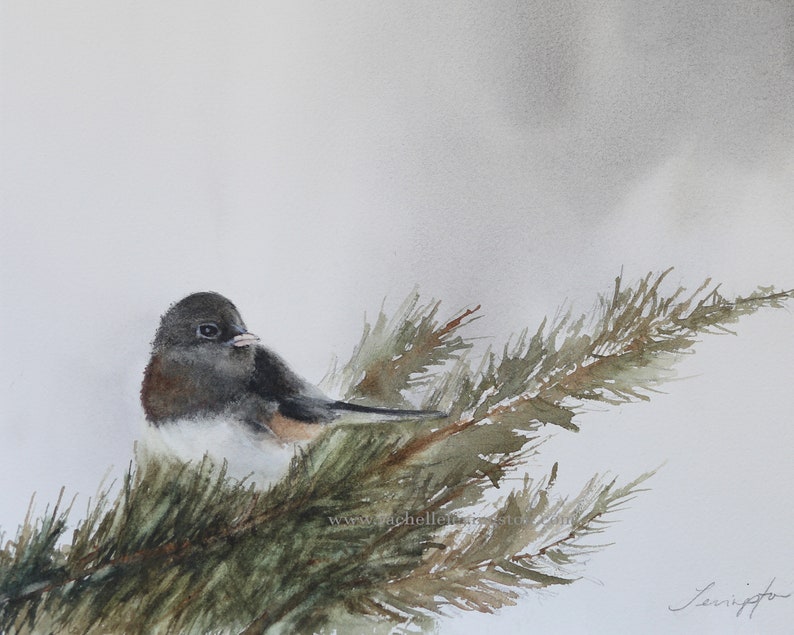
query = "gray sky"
x=308 y=159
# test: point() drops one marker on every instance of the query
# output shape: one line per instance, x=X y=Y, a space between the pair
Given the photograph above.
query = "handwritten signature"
x=746 y=605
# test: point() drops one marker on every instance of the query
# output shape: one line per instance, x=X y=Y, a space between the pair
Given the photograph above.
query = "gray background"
x=308 y=159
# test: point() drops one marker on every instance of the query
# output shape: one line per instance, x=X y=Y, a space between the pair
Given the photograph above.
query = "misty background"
x=309 y=160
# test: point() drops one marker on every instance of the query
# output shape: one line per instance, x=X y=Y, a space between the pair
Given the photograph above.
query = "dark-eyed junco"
x=207 y=370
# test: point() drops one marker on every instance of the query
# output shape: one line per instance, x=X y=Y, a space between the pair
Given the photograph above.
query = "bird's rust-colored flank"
x=154 y=383
x=289 y=430
x=166 y=395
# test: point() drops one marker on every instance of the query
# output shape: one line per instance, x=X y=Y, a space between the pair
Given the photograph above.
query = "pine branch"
x=475 y=560
x=635 y=340
x=395 y=355
x=183 y=548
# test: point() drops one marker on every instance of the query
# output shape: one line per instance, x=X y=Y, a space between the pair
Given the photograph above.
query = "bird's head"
x=203 y=322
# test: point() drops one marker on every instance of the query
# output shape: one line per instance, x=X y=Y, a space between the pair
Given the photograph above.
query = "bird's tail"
x=388 y=412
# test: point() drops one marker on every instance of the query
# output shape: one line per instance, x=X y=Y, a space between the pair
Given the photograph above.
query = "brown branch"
x=456 y=322
x=373 y=383
x=420 y=444
x=570 y=536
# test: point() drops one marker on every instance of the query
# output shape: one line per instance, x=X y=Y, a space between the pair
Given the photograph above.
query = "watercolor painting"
x=359 y=318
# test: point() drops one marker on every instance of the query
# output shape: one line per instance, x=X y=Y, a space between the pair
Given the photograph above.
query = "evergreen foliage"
x=368 y=528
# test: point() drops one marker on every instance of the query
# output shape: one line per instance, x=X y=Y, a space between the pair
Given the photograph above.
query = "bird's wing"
x=297 y=399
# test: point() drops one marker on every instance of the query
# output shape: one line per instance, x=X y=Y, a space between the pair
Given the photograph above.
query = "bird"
x=211 y=387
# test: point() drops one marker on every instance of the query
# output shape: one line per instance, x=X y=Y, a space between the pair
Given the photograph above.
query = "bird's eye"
x=208 y=330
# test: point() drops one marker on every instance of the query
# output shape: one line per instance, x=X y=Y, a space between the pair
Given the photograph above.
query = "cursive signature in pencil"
x=747 y=605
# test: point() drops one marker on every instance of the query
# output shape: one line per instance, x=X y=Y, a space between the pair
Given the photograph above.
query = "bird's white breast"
x=255 y=456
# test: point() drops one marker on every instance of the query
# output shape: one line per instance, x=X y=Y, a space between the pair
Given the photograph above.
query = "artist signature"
x=746 y=606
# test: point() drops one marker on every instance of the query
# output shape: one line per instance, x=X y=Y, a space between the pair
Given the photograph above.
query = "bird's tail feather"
x=388 y=412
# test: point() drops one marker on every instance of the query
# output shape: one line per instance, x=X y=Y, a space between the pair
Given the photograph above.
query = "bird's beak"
x=244 y=339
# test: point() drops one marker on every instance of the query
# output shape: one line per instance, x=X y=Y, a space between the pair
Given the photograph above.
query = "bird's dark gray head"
x=205 y=320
